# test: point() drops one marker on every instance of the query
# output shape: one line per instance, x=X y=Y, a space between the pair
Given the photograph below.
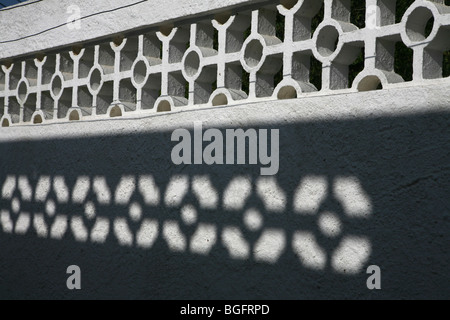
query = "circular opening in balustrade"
x=22 y=91
x=192 y=64
x=288 y=4
x=56 y=85
x=420 y=24
x=287 y=92
x=164 y=106
x=327 y=41
x=253 y=53
x=220 y=100
x=96 y=79
x=140 y=72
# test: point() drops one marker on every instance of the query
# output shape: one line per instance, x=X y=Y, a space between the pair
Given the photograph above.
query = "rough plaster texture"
x=363 y=176
x=103 y=18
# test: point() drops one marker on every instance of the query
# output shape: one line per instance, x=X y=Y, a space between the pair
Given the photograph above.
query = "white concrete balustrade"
x=180 y=64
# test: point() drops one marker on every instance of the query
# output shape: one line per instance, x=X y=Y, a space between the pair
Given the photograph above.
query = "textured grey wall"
x=398 y=152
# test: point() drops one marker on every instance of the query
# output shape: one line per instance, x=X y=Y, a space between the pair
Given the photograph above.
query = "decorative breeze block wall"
x=234 y=57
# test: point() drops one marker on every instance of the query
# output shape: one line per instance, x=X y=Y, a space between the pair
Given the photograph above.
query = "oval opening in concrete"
x=56 y=86
x=419 y=25
x=140 y=72
x=95 y=80
x=192 y=63
x=327 y=41
x=22 y=91
x=253 y=53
